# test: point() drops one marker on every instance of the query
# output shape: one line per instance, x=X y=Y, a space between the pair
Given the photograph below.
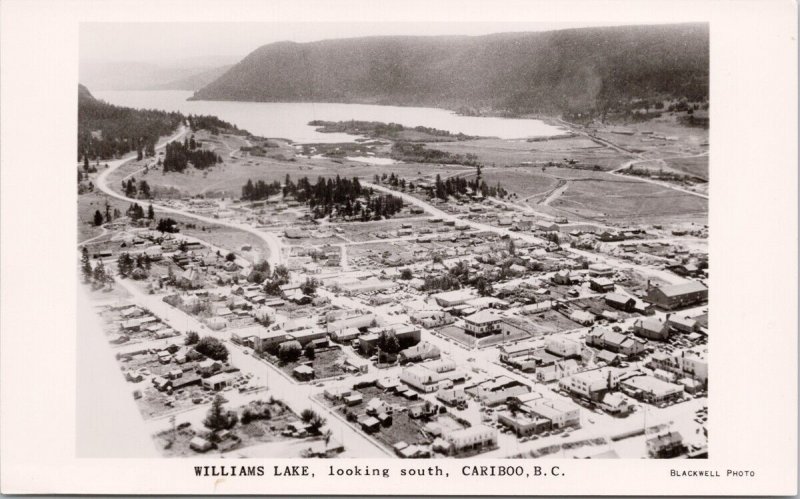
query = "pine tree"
x=98 y=218
x=86 y=266
x=150 y=212
x=99 y=274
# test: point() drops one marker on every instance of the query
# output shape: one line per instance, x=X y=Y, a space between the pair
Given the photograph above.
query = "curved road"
x=275 y=256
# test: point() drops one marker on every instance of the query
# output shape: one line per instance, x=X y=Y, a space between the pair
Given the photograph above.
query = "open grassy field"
x=685 y=140
x=497 y=152
x=224 y=237
x=617 y=199
x=368 y=231
x=697 y=166
x=90 y=202
x=595 y=195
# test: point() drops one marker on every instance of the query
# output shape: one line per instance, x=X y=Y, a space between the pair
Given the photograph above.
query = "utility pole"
x=174 y=429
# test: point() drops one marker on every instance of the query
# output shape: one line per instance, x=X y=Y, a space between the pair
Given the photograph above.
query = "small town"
x=550 y=338
x=401 y=290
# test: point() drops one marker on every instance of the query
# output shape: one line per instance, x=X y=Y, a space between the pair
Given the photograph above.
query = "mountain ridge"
x=553 y=71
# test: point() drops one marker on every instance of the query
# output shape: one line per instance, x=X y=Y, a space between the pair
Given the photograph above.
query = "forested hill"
x=107 y=131
x=555 y=71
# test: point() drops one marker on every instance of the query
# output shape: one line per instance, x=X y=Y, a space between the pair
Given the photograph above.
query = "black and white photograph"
x=409 y=246
x=368 y=247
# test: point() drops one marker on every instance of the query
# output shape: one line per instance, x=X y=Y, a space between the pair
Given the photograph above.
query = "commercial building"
x=593 y=384
x=650 y=389
x=560 y=413
x=453 y=298
x=473 y=438
x=678 y=295
x=421 y=378
x=524 y=423
x=601 y=284
x=482 y=323
x=498 y=390
x=562 y=346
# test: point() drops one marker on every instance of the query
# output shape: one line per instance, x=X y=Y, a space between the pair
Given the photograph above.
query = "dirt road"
x=272 y=241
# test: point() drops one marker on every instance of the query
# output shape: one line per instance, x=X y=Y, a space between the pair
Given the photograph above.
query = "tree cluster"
x=313 y=420
x=459 y=186
x=408 y=152
x=280 y=276
x=178 y=156
x=126 y=264
x=97 y=276
x=106 y=131
x=167 y=225
x=218 y=418
x=289 y=351
x=212 y=124
x=260 y=190
x=342 y=197
x=212 y=348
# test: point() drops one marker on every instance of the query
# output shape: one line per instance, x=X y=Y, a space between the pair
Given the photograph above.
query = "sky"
x=212 y=44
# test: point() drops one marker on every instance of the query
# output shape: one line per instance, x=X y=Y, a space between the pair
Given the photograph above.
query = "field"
x=697 y=166
x=90 y=202
x=496 y=152
x=368 y=231
x=224 y=237
x=620 y=199
x=227 y=178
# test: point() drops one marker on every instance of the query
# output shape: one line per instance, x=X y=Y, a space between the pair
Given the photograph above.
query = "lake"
x=290 y=120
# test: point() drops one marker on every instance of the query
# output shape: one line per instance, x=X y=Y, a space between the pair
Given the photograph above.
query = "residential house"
x=615 y=342
x=620 y=302
x=651 y=329
x=582 y=317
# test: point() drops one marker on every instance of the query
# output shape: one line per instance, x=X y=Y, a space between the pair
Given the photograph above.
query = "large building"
x=651 y=389
x=475 y=437
x=678 y=295
x=562 y=346
x=592 y=384
x=559 y=412
x=453 y=298
x=483 y=323
x=692 y=363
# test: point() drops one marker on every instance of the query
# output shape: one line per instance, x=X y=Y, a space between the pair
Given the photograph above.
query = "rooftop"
x=682 y=289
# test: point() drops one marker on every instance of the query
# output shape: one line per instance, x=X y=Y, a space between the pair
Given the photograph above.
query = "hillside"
x=587 y=69
x=107 y=131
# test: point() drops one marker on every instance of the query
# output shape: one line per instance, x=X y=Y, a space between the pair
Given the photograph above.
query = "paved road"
x=274 y=244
